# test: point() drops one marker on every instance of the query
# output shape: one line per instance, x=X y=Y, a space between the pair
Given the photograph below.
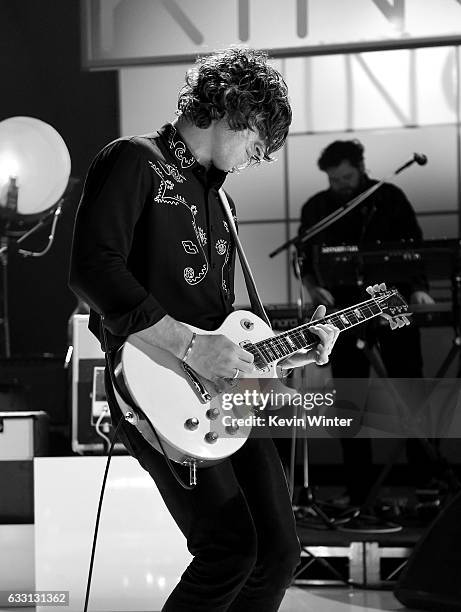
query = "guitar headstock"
x=394 y=307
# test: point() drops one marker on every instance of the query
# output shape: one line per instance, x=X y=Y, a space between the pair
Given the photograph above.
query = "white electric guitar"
x=155 y=390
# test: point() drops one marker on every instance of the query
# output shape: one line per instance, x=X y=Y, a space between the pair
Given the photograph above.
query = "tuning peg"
x=396 y=322
x=369 y=290
x=382 y=287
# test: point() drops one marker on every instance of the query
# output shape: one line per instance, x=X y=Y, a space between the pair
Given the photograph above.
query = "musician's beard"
x=345 y=195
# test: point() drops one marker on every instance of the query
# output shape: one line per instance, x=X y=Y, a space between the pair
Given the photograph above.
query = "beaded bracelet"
x=189 y=347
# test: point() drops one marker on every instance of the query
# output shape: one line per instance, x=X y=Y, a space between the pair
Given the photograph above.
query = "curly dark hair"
x=339 y=151
x=238 y=83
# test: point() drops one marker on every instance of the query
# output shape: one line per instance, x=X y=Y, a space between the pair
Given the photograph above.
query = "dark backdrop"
x=41 y=77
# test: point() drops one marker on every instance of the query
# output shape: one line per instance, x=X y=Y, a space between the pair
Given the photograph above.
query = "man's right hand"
x=215 y=356
x=212 y=355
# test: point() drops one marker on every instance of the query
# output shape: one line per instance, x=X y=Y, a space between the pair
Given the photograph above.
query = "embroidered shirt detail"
x=179 y=149
x=224 y=268
x=164 y=171
x=192 y=278
x=190 y=247
x=202 y=235
x=221 y=246
x=226 y=227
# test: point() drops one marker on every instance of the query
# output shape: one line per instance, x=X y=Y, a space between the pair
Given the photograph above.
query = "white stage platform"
x=140 y=553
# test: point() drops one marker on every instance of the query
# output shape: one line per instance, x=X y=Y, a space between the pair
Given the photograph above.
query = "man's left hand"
x=320 y=354
x=421 y=297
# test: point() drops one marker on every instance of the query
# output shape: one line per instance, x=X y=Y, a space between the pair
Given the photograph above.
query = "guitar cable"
x=111 y=396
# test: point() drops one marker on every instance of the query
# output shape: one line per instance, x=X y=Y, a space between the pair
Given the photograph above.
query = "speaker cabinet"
x=431 y=579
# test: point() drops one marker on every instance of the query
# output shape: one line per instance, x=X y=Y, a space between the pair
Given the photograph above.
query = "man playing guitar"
x=152 y=250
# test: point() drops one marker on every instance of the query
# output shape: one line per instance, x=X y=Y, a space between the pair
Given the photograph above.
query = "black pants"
x=238 y=523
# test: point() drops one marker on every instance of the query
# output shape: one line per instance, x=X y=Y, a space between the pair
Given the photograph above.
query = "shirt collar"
x=177 y=149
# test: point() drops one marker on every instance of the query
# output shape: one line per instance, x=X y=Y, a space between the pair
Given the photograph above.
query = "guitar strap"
x=255 y=300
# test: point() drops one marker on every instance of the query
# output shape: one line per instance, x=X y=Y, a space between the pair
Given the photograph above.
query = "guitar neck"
x=285 y=344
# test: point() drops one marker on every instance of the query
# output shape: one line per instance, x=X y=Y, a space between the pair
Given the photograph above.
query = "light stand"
x=5 y=318
x=34 y=174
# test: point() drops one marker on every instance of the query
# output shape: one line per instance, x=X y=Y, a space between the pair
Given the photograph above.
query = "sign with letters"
x=137 y=32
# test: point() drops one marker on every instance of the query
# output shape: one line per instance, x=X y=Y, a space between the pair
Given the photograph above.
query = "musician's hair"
x=339 y=151
x=239 y=84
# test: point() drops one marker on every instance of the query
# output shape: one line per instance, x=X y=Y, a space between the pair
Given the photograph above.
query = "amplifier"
x=90 y=411
x=23 y=436
x=285 y=316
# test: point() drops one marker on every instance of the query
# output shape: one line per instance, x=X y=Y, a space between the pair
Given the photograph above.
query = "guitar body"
x=169 y=395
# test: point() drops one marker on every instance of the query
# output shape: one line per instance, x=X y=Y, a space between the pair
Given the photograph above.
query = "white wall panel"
x=259 y=192
x=148 y=97
x=258 y=240
x=120 y=31
x=380 y=83
x=317 y=87
x=436 y=85
x=372 y=90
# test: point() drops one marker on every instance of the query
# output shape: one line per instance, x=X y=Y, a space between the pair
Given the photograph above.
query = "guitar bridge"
x=196 y=384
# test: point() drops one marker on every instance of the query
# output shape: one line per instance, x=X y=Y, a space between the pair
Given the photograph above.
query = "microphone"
x=420 y=159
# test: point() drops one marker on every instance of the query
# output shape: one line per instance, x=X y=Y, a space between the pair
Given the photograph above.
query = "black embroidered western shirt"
x=151 y=238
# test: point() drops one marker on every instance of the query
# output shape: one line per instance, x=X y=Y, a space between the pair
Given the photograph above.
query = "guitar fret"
x=338 y=323
x=352 y=317
x=291 y=342
x=281 y=346
x=267 y=356
x=294 y=339
x=277 y=346
x=259 y=359
x=269 y=350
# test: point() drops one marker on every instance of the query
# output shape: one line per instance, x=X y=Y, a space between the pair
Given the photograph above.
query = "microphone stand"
x=306 y=502
x=297 y=242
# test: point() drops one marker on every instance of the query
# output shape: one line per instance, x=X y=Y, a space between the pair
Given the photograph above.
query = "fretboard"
x=285 y=344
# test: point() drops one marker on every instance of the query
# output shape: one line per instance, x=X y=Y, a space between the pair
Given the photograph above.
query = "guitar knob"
x=211 y=437
x=212 y=413
x=232 y=429
x=191 y=424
